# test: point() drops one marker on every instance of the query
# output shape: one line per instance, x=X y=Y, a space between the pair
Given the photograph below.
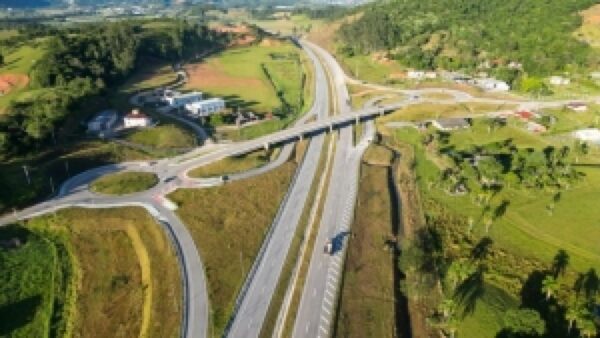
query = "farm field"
x=119 y=276
x=233 y=72
x=213 y=221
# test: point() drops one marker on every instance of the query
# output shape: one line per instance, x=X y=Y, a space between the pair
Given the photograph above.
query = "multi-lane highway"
x=319 y=295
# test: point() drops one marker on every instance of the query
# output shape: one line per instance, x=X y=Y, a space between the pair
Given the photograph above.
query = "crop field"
x=238 y=75
x=124 y=183
x=231 y=232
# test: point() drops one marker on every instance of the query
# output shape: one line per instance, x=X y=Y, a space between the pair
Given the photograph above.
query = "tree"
x=524 y=322
x=550 y=286
x=1 y=59
x=560 y=263
x=458 y=272
x=490 y=170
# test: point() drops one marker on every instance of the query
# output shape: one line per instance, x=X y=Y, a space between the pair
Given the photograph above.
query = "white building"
x=206 y=107
x=136 y=119
x=559 y=81
x=492 y=85
x=177 y=100
x=102 y=121
x=588 y=135
x=577 y=106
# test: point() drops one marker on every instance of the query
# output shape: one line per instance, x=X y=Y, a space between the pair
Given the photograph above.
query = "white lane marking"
x=326 y=309
x=314 y=292
x=323 y=329
x=329 y=293
x=307 y=324
x=327 y=301
x=325 y=319
x=330 y=285
x=335 y=263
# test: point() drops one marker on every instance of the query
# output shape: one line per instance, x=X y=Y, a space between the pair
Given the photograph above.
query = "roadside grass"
x=368 y=68
x=486 y=320
x=378 y=155
x=124 y=183
x=55 y=166
x=304 y=260
x=228 y=224
x=567 y=120
x=367 y=302
x=129 y=275
x=232 y=165
x=34 y=285
x=163 y=137
x=423 y=111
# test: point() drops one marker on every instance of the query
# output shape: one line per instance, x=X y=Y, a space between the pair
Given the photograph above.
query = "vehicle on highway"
x=328 y=247
x=169 y=179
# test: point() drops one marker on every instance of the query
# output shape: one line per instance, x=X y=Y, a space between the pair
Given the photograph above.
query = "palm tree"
x=549 y=286
x=575 y=312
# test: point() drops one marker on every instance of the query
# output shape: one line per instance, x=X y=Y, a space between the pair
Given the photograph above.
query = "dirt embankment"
x=209 y=75
x=10 y=82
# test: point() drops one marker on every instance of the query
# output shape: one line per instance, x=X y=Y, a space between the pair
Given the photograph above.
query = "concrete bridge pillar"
x=331 y=127
x=300 y=137
x=357 y=119
x=266 y=145
x=382 y=112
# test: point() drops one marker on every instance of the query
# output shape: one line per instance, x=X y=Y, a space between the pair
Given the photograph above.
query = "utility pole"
x=27 y=175
x=52 y=185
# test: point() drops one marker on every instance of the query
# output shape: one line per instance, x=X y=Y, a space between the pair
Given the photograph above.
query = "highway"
x=319 y=295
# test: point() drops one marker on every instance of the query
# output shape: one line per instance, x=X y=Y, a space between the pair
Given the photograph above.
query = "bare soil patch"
x=209 y=75
x=8 y=82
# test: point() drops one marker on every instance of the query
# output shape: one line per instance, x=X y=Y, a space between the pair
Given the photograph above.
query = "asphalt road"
x=321 y=288
x=255 y=297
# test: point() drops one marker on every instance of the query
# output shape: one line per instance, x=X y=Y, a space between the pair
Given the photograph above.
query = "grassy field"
x=124 y=183
x=33 y=286
x=419 y=112
x=367 y=306
x=231 y=73
x=589 y=30
x=527 y=228
x=152 y=74
x=486 y=321
x=129 y=277
x=163 y=137
x=231 y=165
x=18 y=63
x=231 y=232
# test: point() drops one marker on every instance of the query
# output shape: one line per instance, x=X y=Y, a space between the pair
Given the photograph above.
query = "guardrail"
x=263 y=247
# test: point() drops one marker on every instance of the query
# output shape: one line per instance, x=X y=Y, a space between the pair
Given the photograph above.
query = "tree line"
x=469 y=34
x=85 y=61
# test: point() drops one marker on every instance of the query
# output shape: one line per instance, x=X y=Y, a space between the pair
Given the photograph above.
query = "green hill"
x=466 y=34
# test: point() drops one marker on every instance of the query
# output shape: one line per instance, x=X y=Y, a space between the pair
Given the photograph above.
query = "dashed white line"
x=325 y=319
x=323 y=329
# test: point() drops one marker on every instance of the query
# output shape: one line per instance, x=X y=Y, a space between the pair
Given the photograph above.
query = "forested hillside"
x=465 y=34
x=84 y=61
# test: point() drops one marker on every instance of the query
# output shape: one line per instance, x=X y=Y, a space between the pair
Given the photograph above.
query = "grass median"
x=233 y=164
x=124 y=183
x=228 y=224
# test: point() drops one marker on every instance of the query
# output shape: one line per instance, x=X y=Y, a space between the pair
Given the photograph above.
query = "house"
x=491 y=84
x=559 y=81
x=588 y=135
x=448 y=124
x=206 y=107
x=177 y=100
x=431 y=75
x=136 y=119
x=577 y=106
x=102 y=121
